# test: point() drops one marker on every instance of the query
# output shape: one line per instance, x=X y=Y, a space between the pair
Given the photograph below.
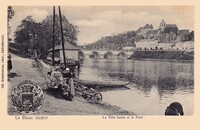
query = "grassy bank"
x=53 y=105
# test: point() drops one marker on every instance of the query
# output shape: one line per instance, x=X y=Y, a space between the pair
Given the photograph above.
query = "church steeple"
x=162 y=25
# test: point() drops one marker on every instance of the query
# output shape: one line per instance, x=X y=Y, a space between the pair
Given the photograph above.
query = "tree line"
x=31 y=35
x=116 y=42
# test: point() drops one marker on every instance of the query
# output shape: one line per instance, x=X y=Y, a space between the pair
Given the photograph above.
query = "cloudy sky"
x=95 y=22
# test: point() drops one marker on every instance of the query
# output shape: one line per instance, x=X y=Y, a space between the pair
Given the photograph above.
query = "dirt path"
x=52 y=105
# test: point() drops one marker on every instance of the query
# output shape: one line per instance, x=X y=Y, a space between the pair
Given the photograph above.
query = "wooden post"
x=53 y=44
x=63 y=46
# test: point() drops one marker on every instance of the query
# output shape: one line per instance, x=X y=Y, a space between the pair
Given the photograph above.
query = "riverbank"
x=163 y=54
x=22 y=67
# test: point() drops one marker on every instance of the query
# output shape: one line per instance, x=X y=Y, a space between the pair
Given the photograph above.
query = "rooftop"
x=152 y=32
x=67 y=47
x=171 y=25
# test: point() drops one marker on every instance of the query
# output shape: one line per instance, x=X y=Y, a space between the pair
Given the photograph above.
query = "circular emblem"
x=27 y=97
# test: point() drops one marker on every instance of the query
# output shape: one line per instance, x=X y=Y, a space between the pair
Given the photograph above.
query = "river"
x=154 y=83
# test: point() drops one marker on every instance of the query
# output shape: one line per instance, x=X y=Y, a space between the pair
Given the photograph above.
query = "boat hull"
x=95 y=84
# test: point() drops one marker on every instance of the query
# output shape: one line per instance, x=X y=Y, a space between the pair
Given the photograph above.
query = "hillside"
x=166 y=33
x=120 y=40
x=114 y=42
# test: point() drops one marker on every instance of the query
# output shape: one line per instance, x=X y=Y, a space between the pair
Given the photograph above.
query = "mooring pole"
x=63 y=46
x=53 y=44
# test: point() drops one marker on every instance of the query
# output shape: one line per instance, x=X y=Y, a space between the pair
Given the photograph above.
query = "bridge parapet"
x=106 y=53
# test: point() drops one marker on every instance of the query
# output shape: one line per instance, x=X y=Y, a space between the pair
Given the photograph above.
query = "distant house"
x=71 y=52
x=184 y=46
x=166 y=46
x=184 y=34
x=172 y=36
x=162 y=38
x=188 y=46
x=152 y=34
x=167 y=37
x=146 y=27
x=143 y=30
x=147 y=44
x=129 y=46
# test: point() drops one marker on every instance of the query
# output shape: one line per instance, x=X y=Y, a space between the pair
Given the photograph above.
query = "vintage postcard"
x=133 y=63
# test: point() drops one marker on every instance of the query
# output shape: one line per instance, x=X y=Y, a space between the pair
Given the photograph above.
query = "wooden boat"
x=103 y=84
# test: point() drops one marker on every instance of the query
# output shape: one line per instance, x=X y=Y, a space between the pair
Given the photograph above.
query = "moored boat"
x=102 y=84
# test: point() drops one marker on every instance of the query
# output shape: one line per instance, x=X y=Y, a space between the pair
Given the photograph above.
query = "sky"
x=95 y=22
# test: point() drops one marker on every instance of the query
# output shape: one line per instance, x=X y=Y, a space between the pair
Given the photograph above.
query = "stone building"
x=167 y=28
x=152 y=34
x=168 y=32
x=186 y=46
x=143 y=30
x=71 y=52
x=147 y=44
x=171 y=28
x=184 y=34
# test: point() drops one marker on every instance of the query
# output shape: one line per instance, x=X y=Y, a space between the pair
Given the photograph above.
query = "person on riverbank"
x=174 y=109
x=9 y=64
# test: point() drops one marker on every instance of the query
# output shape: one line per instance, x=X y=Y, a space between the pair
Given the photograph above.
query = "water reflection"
x=148 y=78
x=167 y=75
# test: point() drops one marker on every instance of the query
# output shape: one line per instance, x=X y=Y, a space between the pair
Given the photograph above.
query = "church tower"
x=162 y=25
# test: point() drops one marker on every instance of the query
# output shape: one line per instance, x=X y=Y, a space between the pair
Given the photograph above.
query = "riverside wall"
x=163 y=54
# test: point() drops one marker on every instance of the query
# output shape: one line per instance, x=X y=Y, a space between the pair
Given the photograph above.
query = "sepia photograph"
x=100 y=60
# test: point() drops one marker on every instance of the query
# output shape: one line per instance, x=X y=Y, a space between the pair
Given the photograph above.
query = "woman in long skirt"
x=9 y=63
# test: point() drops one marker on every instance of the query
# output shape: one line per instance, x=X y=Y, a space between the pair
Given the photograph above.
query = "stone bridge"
x=106 y=54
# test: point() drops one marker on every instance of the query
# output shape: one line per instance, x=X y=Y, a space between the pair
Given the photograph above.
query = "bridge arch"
x=108 y=55
x=121 y=55
x=95 y=54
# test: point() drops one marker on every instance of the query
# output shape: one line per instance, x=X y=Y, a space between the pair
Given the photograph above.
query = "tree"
x=39 y=35
x=28 y=33
x=191 y=36
x=70 y=32
x=23 y=31
x=11 y=13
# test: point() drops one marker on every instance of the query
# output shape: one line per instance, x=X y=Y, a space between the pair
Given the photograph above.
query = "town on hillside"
x=165 y=37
